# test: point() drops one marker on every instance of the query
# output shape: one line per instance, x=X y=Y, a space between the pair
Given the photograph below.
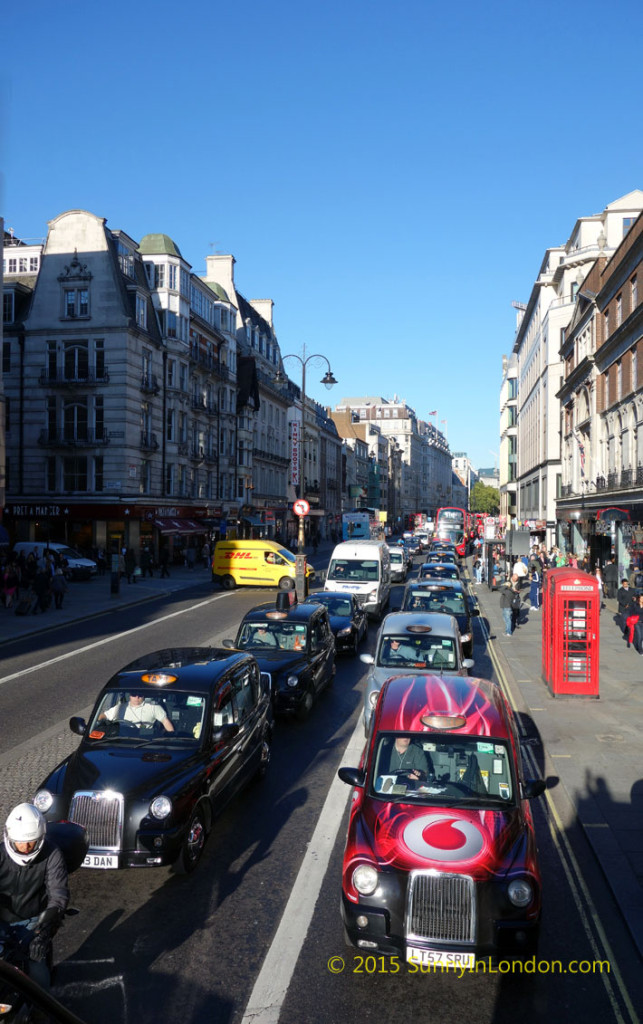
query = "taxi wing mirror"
x=533 y=787
x=474 y=611
x=368 y=659
x=78 y=725
x=266 y=683
x=228 y=644
x=225 y=733
x=352 y=776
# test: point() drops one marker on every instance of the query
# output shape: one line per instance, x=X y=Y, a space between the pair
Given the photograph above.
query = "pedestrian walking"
x=164 y=561
x=147 y=565
x=601 y=588
x=205 y=555
x=130 y=565
x=506 y=598
x=624 y=598
x=610 y=578
x=41 y=589
x=535 y=588
x=59 y=588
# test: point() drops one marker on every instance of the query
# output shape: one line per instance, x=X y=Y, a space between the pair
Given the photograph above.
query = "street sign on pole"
x=301 y=507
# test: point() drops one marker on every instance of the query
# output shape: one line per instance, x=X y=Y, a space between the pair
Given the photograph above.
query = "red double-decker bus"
x=452 y=524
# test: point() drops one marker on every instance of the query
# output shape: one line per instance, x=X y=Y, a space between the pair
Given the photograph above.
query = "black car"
x=171 y=738
x=295 y=647
x=348 y=620
x=438 y=571
x=448 y=597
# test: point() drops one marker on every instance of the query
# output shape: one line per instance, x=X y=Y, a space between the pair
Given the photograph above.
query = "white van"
x=77 y=568
x=362 y=568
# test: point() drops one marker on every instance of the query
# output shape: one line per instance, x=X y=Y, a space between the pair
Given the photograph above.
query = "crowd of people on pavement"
x=32 y=582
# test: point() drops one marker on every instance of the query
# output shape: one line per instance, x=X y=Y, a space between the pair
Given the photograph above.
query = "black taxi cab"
x=440 y=865
x=295 y=647
x=172 y=737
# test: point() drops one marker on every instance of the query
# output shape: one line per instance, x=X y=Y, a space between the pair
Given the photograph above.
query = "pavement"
x=593 y=747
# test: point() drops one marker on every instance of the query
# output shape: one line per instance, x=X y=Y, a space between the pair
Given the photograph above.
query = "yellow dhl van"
x=258 y=563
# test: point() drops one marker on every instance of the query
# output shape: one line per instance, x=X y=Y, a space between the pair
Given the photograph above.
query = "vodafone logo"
x=444 y=838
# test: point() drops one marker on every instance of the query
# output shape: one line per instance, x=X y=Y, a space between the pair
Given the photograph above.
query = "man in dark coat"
x=610 y=578
x=624 y=598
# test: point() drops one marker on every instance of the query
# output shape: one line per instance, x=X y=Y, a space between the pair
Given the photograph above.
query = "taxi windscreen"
x=274 y=635
x=126 y=714
x=442 y=769
x=424 y=652
x=448 y=602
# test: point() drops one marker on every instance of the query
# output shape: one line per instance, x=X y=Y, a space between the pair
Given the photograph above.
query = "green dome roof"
x=218 y=290
x=154 y=245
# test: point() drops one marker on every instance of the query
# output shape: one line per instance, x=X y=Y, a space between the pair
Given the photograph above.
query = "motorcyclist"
x=34 y=890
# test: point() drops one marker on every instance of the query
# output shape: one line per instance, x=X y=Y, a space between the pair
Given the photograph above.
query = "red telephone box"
x=570 y=631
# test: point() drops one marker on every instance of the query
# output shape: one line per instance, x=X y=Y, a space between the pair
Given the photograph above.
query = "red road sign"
x=301 y=507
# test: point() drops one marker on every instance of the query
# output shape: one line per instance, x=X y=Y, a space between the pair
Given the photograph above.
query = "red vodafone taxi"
x=440 y=866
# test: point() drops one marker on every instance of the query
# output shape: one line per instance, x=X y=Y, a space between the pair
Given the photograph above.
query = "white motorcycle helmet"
x=25 y=824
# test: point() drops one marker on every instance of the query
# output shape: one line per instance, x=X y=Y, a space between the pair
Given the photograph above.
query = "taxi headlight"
x=43 y=800
x=292 y=680
x=365 y=879
x=520 y=892
x=161 y=807
x=345 y=632
x=372 y=698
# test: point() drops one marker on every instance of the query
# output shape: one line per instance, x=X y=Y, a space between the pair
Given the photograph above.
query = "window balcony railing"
x=72 y=439
x=281 y=460
x=59 y=378
x=150 y=384
x=149 y=441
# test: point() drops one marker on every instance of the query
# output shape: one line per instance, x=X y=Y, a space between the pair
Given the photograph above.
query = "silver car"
x=408 y=644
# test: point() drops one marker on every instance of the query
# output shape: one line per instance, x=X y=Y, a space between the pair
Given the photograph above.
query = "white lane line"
x=271 y=986
x=108 y=640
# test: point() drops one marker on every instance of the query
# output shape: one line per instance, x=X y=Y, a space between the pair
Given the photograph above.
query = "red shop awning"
x=167 y=526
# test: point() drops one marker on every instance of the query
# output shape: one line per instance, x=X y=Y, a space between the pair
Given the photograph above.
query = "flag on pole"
x=581 y=452
x=434 y=413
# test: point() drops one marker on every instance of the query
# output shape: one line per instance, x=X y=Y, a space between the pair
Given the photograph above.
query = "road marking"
x=109 y=640
x=271 y=986
x=581 y=895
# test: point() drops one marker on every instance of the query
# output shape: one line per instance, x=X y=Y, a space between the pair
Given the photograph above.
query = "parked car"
x=446 y=597
x=74 y=565
x=409 y=643
x=172 y=737
x=295 y=648
x=347 y=618
x=438 y=571
x=441 y=866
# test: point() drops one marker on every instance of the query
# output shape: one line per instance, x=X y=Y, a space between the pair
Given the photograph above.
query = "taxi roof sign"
x=158 y=678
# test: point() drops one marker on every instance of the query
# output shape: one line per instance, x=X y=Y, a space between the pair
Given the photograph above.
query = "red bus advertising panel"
x=451 y=524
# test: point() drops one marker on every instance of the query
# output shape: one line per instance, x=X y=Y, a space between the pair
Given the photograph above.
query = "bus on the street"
x=451 y=523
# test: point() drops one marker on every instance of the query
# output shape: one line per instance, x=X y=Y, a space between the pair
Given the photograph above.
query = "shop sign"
x=294 y=426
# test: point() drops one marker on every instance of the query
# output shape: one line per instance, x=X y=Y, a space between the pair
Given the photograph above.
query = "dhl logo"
x=237 y=554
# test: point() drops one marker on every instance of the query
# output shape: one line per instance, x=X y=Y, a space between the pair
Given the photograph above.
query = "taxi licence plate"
x=440 y=958
x=100 y=860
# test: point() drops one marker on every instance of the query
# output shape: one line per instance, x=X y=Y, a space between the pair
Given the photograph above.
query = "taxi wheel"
x=228 y=583
x=286 y=583
x=305 y=707
x=193 y=844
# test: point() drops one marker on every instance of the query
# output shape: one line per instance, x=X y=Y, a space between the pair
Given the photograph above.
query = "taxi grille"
x=440 y=908
x=102 y=815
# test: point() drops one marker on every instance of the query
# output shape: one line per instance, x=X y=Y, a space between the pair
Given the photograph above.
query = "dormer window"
x=75 y=290
x=76 y=302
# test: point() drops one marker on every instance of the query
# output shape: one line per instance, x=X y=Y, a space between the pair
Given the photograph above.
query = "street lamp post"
x=328 y=380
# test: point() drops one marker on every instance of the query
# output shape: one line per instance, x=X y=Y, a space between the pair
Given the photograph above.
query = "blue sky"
x=389 y=174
